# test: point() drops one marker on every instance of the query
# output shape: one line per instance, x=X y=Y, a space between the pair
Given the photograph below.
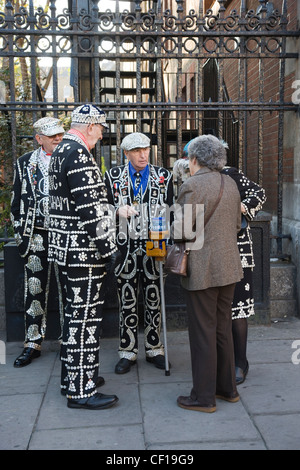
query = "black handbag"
x=177 y=255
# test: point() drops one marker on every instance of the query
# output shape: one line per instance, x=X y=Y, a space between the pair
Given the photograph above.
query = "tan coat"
x=218 y=262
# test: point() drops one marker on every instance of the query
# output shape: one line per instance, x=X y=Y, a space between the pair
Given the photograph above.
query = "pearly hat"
x=48 y=126
x=134 y=141
x=89 y=114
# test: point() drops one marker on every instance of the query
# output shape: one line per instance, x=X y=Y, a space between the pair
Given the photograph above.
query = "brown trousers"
x=211 y=344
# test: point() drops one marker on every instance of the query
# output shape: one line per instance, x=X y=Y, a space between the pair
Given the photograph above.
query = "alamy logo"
x=296 y=354
x=2 y=353
x=296 y=94
x=136 y=226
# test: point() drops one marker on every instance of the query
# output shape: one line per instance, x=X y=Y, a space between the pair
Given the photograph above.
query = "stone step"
x=283 y=289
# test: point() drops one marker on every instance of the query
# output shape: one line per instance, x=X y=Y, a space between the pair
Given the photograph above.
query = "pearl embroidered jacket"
x=81 y=224
x=156 y=200
x=24 y=201
x=253 y=197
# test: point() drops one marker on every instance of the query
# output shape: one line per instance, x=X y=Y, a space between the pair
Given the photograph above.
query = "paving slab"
x=102 y=437
x=21 y=380
x=183 y=427
x=18 y=414
x=55 y=414
x=272 y=389
x=280 y=431
x=34 y=415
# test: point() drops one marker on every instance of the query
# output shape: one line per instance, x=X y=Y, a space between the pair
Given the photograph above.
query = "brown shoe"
x=231 y=397
x=189 y=404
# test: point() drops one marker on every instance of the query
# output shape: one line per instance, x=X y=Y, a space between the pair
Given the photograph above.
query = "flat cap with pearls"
x=48 y=126
x=89 y=114
x=134 y=141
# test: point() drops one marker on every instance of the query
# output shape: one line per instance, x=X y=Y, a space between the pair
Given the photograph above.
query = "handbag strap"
x=217 y=201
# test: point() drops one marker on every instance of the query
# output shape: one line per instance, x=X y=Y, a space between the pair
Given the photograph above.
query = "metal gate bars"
x=168 y=68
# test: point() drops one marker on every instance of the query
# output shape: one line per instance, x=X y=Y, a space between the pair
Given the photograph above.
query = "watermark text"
x=2 y=352
x=296 y=354
x=296 y=94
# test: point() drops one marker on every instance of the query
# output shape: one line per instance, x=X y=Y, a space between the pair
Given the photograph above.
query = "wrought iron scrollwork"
x=106 y=22
x=211 y=20
x=138 y=32
x=86 y=21
x=169 y=21
x=63 y=20
x=141 y=33
x=128 y=21
x=149 y=21
x=190 y=21
x=21 y=18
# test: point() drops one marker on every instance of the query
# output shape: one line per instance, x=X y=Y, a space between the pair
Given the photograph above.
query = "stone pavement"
x=34 y=415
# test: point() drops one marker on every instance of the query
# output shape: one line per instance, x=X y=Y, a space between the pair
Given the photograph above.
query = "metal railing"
x=145 y=67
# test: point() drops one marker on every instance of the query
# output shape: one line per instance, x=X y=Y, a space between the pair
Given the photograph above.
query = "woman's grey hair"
x=209 y=151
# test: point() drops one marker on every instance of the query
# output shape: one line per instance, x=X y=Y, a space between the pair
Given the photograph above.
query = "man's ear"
x=38 y=139
x=90 y=128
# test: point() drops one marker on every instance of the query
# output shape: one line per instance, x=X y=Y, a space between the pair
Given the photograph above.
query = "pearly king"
x=81 y=240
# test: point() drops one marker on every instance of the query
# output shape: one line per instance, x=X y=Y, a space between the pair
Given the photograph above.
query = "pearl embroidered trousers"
x=37 y=276
x=140 y=271
x=81 y=332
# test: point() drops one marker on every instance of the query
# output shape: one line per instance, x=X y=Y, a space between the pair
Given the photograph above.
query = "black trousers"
x=81 y=331
x=211 y=344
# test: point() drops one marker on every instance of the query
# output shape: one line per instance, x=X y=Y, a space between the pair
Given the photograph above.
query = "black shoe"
x=99 y=401
x=124 y=366
x=240 y=374
x=99 y=382
x=159 y=361
x=26 y=357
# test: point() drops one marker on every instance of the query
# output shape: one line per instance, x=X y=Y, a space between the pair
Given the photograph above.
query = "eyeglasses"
x=60 y=134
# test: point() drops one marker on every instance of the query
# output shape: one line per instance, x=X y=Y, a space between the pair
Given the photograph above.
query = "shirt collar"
x=81 y=136
x=144 y=172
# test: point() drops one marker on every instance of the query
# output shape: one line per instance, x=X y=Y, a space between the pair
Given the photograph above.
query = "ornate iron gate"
x=172 y=73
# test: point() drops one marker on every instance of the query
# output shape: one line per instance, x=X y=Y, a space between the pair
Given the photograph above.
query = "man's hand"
x=126 y=211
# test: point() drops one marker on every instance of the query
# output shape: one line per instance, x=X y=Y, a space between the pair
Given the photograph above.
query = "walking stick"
x=163 y=315
x=156 y=248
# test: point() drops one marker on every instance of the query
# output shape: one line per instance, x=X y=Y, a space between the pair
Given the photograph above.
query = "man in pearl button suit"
x=138 y=191
x=82 y=243
x=30 y=219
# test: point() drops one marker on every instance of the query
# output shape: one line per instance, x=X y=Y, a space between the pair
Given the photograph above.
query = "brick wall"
x=270 y=91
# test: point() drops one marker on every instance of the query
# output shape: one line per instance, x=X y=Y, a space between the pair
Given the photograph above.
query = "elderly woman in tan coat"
x=214 y=267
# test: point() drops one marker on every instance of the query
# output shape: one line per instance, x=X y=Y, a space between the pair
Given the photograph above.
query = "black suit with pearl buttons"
x=81 y=240
x=136 y=268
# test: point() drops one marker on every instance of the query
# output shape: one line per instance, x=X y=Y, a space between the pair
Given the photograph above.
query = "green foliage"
x=22 y=122
x=6 y=229
x=103 y=166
